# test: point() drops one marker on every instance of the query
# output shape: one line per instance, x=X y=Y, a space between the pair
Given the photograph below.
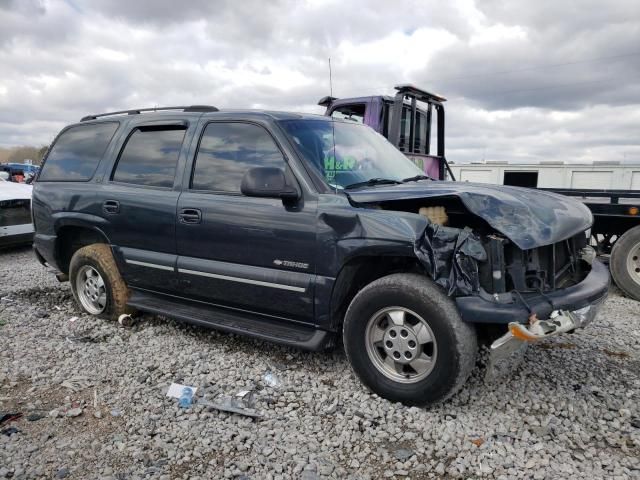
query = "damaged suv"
x=302 y=230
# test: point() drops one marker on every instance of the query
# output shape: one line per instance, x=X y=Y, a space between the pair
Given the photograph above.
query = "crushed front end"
x=516 y=284
x=537 y=293
x=507 y=256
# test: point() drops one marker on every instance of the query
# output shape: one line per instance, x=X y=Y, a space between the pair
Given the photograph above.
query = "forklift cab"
x=417 y=129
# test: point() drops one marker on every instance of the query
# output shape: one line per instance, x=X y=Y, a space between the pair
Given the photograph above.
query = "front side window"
x=346 y=153
x=76 y=153
x=150 y=156
x=227 y=151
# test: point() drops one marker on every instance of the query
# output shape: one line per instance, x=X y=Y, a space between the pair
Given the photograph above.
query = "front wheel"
x=625 y=263
x=406 y=341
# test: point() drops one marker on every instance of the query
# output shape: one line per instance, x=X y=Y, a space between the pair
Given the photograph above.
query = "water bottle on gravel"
x=186 y=399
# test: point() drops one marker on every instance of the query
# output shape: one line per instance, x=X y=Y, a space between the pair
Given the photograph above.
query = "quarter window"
x=77 y=152
x=150 y=156
x=227 y=151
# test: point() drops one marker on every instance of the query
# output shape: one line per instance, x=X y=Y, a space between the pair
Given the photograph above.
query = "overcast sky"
x=525 y=80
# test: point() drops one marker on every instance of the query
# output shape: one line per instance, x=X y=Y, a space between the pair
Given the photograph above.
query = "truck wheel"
x=406 y=341
x=96 y=282
x=625 y=263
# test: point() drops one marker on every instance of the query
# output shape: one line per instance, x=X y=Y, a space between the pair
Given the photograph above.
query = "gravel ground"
x=570 y=411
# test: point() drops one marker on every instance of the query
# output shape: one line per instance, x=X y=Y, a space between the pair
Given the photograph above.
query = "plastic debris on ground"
x=231 y=404
x=241 y=403
x=271 y=380
x=125 y=320
x=247 y=397
x=176 y=390
x=186 y=397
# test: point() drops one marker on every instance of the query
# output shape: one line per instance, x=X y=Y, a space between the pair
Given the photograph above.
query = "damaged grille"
x=15 y=212
x=543 y=269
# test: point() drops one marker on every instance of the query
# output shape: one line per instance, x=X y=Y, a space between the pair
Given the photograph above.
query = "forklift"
x=416 y=129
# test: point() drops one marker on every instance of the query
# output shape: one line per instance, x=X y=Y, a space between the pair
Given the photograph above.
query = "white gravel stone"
x=570 y=411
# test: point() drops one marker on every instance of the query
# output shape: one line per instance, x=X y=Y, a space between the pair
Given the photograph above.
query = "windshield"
x=360 y=154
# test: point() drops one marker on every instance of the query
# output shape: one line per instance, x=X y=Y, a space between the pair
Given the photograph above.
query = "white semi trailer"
x=597 y=175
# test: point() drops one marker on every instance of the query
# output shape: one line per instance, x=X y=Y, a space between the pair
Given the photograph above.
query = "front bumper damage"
x=507 y=351
x=577 y=308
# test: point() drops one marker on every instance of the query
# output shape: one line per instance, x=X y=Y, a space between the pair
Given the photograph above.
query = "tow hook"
x=507 y=352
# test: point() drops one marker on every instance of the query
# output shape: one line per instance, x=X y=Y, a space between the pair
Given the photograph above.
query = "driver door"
x=245 y=253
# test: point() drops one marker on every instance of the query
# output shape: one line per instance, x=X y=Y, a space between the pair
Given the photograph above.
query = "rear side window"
x=77 y=152
x=150 y=156
x=227 y=151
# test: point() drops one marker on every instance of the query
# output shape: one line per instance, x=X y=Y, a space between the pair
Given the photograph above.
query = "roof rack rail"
x=136 y=111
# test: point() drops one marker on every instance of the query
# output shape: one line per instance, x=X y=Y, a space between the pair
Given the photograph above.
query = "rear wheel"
x=406 y=341
x=625 y=263
x=96 y=283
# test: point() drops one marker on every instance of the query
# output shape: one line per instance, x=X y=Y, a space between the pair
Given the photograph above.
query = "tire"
x=625 y=263
x=98 y=259
x=451 y=353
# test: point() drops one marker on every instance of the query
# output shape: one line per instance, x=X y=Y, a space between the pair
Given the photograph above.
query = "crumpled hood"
x=14 y=191
x=529 y=218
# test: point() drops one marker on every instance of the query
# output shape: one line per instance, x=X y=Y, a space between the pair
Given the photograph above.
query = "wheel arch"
x=72 y=236
x=358 y=272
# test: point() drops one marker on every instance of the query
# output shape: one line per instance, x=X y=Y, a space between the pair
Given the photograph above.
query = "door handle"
x=190 y=215
x=111 y=207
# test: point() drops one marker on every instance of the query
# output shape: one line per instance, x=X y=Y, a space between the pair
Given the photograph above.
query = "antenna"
x=330 y=79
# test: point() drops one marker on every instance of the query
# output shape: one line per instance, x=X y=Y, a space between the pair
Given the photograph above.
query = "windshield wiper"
x=373 y=181
x=416 y=178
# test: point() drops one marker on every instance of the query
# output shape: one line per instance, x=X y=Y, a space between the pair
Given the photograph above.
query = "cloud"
x=525 y=80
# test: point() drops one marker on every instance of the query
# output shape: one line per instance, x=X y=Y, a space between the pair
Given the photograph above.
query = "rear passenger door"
x=247 y=253
x=138 y=200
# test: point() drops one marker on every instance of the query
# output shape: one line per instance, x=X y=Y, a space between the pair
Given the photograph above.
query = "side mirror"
x=268 y=182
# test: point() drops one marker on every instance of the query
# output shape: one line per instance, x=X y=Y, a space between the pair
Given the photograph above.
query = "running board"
x=226 y=320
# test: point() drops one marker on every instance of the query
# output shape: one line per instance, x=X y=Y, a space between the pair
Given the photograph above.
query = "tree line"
x=22 y=153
